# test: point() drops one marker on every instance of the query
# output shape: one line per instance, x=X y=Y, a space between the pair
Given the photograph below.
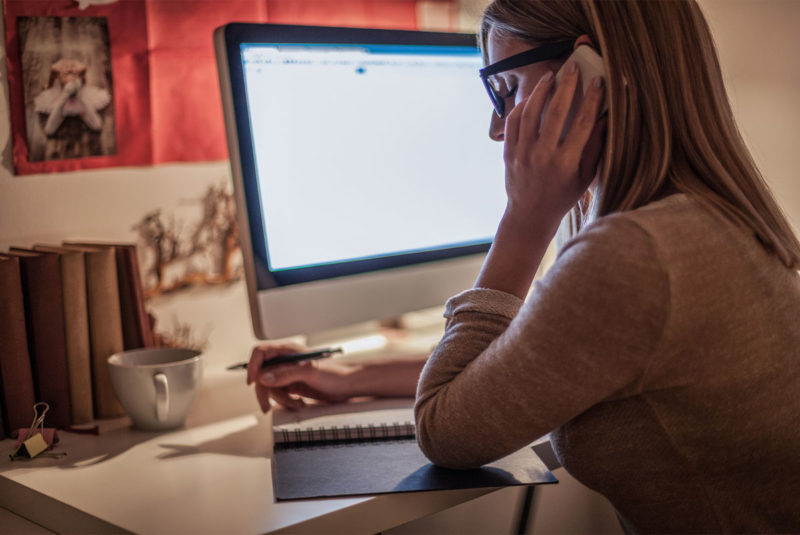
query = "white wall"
x=756 y=40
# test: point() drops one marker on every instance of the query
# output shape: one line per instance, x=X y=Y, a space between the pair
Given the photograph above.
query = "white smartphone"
x=590 y=65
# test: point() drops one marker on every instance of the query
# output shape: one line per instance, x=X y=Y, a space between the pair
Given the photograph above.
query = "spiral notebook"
x=345 y=433
x=376 y=452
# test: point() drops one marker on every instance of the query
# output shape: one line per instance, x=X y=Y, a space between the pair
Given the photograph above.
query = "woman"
x=661 y=350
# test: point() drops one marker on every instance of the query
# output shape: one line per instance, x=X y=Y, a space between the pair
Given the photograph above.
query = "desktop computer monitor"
x=365 y=181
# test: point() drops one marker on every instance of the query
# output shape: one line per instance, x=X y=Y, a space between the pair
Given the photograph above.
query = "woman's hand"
x=286 y=383
x=545 y=175
x=327 y=382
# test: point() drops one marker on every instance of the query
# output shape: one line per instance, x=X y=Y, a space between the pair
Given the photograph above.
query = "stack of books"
x=64 y=309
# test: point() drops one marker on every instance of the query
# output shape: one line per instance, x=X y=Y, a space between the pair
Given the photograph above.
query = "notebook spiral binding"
x=345 y=433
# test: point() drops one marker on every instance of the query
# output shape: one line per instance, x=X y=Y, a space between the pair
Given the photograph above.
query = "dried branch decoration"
x=175 y=254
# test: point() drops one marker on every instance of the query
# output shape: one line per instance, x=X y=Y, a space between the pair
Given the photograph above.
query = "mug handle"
x=162 y=396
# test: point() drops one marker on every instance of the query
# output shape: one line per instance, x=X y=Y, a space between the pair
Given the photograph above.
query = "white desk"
x=214 y=476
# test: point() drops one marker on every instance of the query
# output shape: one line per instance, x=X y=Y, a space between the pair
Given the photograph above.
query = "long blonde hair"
x=671 y=127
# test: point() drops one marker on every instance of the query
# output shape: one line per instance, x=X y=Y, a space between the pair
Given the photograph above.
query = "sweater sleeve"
x=506 y=373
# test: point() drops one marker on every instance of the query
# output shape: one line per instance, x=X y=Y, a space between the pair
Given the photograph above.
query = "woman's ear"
x=582 y=40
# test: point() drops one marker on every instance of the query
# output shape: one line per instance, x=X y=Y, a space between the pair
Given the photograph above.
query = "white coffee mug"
x=156 y=387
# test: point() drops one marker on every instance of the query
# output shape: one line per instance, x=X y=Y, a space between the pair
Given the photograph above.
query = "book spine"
x=76 y=320
x=346 y=433
x=44 y=312
x=105 y=328
x=136 y=329
x=16 y=377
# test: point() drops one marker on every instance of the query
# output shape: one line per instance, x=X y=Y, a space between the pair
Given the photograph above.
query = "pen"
x=292 y=357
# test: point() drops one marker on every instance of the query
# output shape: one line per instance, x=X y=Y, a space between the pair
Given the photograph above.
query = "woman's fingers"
x=281 y=396
x=327 y=383
x=585 y=120
x=511 y=132
x=254 y=364
x=284 y=375
x=265 y=352
x=262 y=395
x=558 y=109
x=522 y=123
x=280 y=381
x=284 y=399
x=303 y=390
x=534 y=106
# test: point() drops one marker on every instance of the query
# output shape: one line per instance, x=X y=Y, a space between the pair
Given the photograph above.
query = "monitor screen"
x=359 y=150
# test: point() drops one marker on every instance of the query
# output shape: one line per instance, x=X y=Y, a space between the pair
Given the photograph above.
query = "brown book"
x=44 y=316
x=135 y=320
x=136 y=328
x=16 y=377
x=105 y=327
x=76 y=320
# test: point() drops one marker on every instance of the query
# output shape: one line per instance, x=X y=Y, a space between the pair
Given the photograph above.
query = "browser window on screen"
x=370 y=151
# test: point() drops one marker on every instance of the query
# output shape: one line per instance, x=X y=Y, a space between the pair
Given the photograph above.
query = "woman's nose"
x=497 y=127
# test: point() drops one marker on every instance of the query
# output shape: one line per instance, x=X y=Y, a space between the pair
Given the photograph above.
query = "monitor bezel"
x=236 y=34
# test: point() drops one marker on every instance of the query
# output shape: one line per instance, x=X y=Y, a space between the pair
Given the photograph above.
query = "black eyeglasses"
x=534 y=55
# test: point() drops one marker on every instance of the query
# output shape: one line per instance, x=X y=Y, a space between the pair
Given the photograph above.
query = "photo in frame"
x=78 y=85
x=67 y=87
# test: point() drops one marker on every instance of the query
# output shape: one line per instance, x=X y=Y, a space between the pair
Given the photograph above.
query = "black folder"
x=370 y=467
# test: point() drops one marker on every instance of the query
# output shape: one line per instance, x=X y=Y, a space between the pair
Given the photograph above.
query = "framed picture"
x=67 y=87
x=78 y=85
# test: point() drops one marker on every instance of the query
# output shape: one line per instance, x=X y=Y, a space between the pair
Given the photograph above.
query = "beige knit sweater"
x=663 y=352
